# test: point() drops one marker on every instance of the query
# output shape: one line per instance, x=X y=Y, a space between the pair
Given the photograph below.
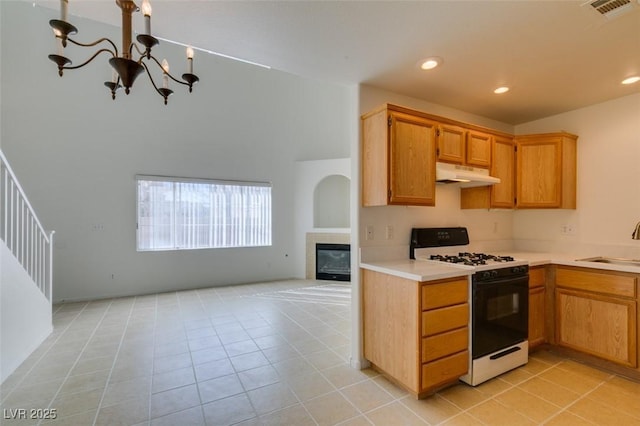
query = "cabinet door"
x=539 y=165
x=479 y=149
x=451 y=144
x=598 y=325
x=503 y=166
x=375 y=159
x=536 y=316
x=412 y=174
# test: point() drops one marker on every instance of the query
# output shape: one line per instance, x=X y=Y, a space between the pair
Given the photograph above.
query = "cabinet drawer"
x=444 y=370
x=537 y=277
x=444 y=319
x=442 y=294
x=619 y=285
x=441 y=345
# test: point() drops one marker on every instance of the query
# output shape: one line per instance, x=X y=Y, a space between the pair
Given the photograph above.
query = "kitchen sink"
x=612 y=260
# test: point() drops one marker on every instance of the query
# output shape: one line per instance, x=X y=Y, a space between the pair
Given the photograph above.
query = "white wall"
x=76 y=153
x=488 y=227
x=608 y=183
x=25 y=314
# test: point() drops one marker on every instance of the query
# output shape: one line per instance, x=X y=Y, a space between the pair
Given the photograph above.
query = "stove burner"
x=471 y=259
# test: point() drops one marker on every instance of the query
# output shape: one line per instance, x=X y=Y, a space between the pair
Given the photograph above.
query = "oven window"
x=502 y=307
x=500 y=316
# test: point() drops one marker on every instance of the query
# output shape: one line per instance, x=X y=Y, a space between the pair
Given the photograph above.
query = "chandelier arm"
x=88 y=60
x=95 y=43
x=140 y=52
x=150 y=77
x=160 y=65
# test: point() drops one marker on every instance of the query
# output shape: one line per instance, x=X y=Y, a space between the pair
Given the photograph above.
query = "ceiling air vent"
x=610 y=9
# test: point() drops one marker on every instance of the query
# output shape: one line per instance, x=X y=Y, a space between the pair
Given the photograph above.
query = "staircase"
x=26 y=275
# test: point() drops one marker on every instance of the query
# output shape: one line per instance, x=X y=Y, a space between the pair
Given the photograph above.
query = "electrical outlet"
x=568 y=229
x=389 y=232
x=369 y=232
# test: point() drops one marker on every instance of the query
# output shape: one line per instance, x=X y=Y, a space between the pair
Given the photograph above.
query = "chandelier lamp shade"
x=126 y=68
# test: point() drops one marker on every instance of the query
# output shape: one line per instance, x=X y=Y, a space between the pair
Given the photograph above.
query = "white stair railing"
x=23 y=233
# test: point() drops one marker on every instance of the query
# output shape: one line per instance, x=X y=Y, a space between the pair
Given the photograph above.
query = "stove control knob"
x=494 y=274
x=516 y=270
x=486 y=275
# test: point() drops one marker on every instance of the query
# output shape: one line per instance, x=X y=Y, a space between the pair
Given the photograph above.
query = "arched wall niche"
x=331 y=202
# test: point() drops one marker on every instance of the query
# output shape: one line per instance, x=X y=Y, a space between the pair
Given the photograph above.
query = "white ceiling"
x=555 y=55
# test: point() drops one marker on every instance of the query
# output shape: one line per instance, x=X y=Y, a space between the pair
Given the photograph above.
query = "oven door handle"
x=505 y=353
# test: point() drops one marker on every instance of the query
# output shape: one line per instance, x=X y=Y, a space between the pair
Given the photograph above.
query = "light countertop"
x=416 y=270
x=428 y=271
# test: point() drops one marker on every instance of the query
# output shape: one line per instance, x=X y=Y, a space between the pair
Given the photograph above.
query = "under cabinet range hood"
x=466 y=176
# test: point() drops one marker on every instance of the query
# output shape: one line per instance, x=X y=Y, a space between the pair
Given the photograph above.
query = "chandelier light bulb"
x=146 y=10
x=190 y=59
x=64 y=8
x=165 y=76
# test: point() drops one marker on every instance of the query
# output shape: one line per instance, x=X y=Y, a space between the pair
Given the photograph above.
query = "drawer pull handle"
x=505 y=353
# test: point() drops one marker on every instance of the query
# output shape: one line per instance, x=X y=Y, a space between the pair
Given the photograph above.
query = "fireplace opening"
x=333 y=262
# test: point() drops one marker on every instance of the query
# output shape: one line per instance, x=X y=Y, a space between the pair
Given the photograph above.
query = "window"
x=176 y=213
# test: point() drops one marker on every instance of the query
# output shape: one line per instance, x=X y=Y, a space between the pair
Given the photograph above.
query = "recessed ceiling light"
x=631 y=80
x=502 y=89
x=430 y=63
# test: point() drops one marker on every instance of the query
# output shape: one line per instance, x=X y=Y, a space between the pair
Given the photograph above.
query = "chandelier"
x=125 y=67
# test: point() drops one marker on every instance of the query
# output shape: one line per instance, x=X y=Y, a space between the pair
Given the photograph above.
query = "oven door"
x=500 y=314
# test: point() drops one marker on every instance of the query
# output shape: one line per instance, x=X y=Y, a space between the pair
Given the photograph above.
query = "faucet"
x=636 y=232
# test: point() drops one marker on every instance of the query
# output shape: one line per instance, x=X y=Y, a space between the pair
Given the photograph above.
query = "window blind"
x=179 y=213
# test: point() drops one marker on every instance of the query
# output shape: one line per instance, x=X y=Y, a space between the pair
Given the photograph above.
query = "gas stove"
x=451 y=245
x=498 y=299
x=473 y=261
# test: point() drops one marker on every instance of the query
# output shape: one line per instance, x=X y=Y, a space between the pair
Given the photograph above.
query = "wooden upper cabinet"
x=451 y=144
x=398 y=164
x=503 y=166
x=546 y=171
x=478 y=152
x=458 y=145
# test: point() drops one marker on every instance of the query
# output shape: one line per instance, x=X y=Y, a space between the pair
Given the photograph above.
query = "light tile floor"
x=270 y=354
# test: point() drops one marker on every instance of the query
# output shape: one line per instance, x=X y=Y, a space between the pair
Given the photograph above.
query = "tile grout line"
x=153 y=357
x=317 y=370
x=115 y=359
x=193 y=365
x=490 y=397
x=80 y=354
x=583 y=396
x=282 y=380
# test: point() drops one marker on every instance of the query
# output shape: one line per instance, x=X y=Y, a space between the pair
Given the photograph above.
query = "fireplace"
x=333 y=262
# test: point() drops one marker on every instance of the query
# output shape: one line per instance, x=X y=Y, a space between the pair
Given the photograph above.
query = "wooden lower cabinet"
x=537 y=306
x=596 y=313
x=444 y=370
x=416 y=333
